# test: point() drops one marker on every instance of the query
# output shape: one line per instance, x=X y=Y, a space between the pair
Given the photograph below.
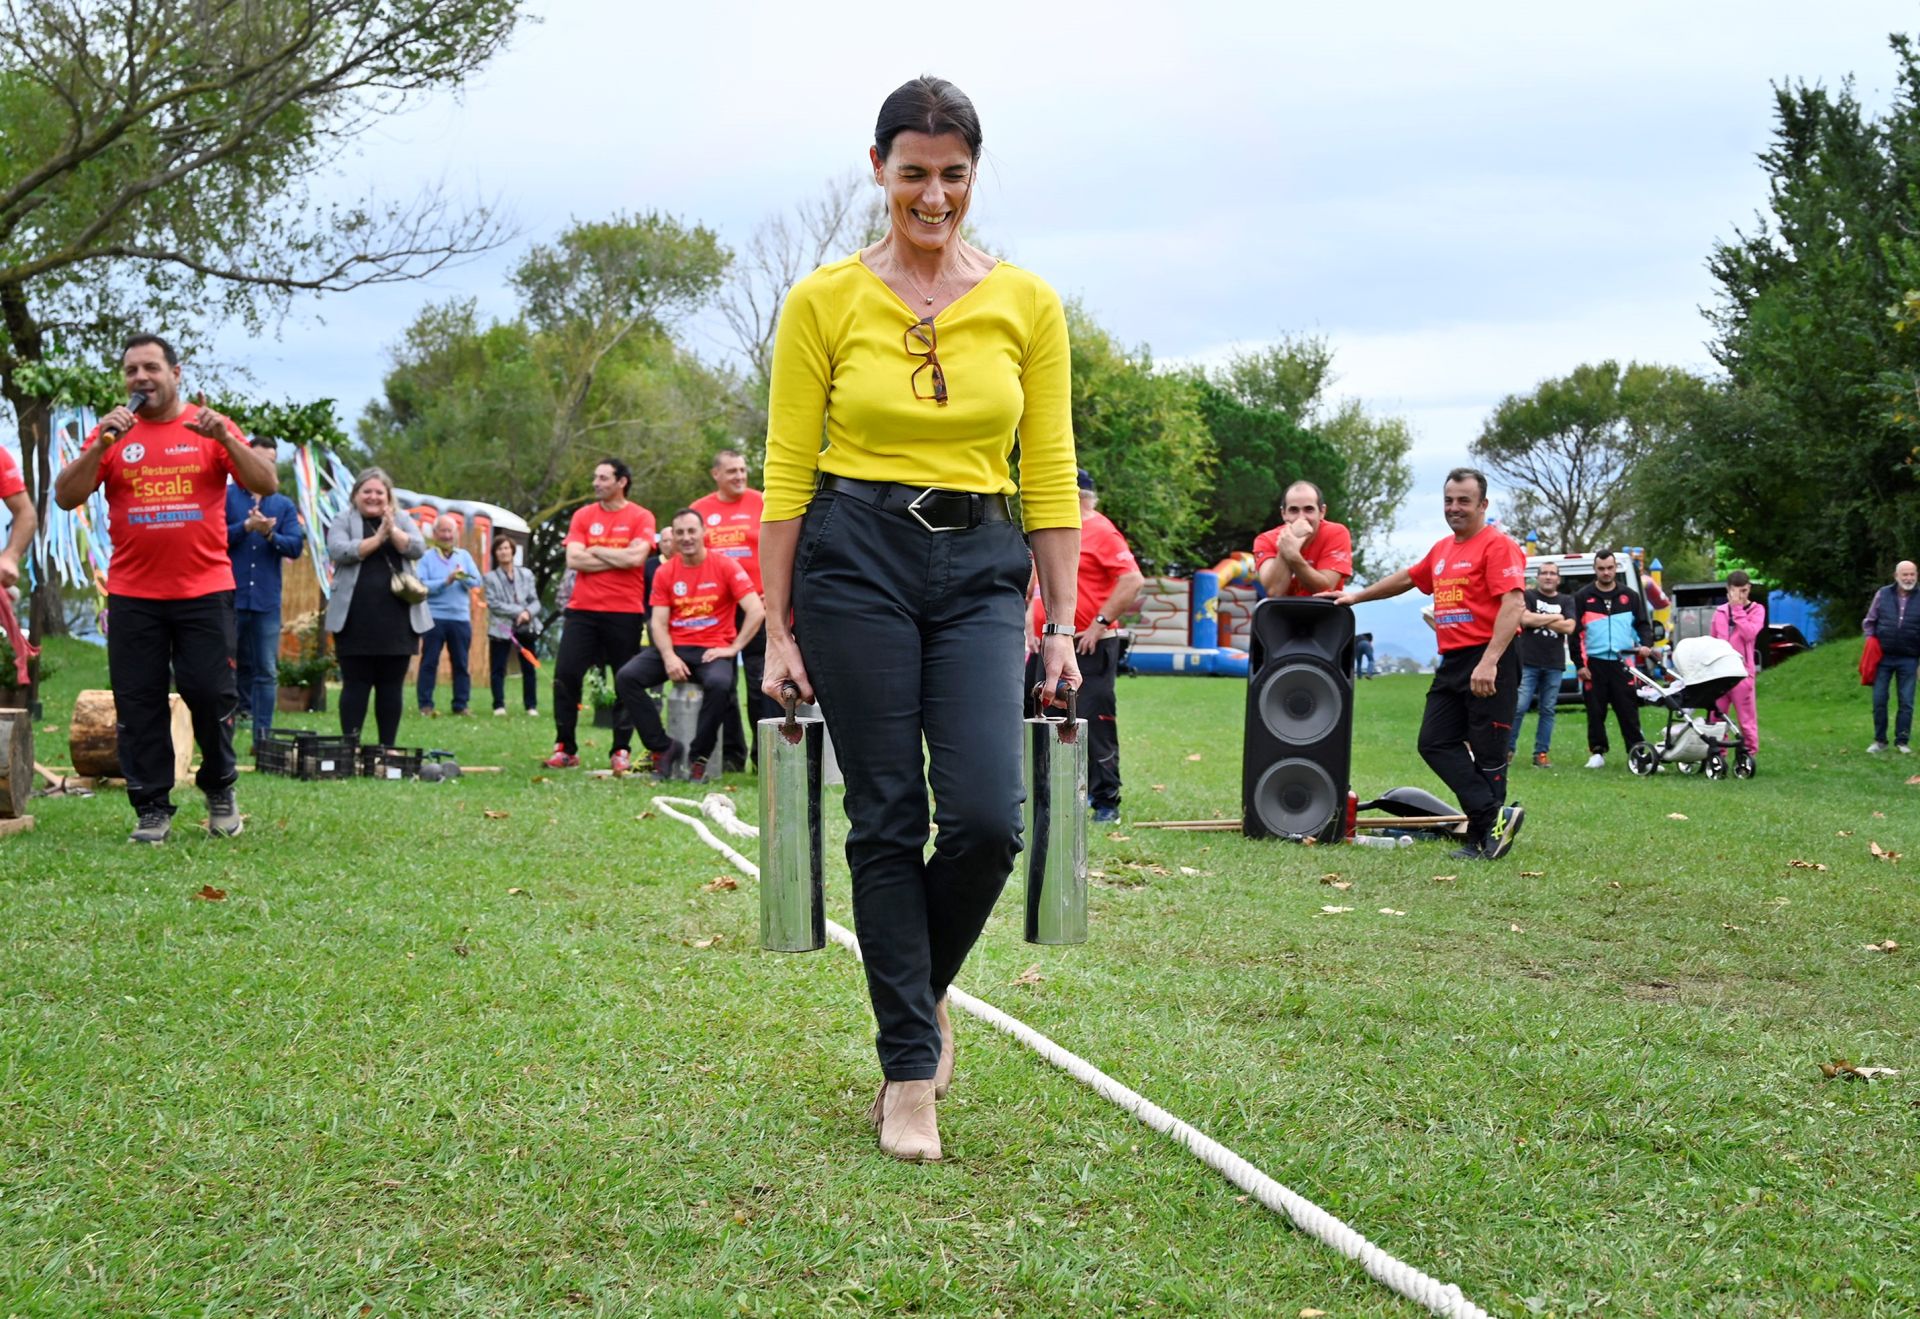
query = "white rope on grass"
x=1440 y=1298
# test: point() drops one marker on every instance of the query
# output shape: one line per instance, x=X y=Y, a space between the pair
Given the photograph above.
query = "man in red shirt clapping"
x=695 y=594
x=170 y=610
x=1477 y=578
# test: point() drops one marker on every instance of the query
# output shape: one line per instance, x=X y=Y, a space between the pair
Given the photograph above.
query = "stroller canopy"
x=1709 y=668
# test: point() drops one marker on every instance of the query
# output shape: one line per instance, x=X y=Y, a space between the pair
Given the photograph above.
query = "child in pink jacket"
x=1738 y=622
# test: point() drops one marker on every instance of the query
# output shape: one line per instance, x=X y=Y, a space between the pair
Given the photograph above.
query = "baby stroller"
x=1707 y=669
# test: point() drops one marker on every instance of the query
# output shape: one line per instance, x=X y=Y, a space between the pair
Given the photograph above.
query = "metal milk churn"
x=683 y=717
x=1055 y=756
x=793 y=909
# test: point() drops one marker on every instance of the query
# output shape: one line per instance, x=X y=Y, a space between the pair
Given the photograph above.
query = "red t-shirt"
x=1104 y=559
x=701 y=597
x=1328 y=549
x=11 y=482
x=1467 y=580
x=617 y=590
x=167 y=509
x=733 y=529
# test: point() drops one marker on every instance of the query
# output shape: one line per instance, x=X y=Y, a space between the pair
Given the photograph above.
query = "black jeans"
x=909 y=634
x=384 y=677
x=648 y=669
x=1464 y=738
x=1099 y=706
x=1610 y=686
x=501 y=652
x=156 y=644
x=759 y=705
x=592 y=638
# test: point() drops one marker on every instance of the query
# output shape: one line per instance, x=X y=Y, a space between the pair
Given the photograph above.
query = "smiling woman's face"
x=929 y=184
x=371 y=499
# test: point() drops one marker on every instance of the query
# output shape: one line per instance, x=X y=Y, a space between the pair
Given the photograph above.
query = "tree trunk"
x=16 y=763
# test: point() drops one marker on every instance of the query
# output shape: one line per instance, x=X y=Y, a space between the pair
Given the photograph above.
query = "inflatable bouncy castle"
x=1197 y=624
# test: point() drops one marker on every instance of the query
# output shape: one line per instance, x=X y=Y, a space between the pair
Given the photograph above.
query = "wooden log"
x=16 y=763
x=19 y=825
x=94 y=737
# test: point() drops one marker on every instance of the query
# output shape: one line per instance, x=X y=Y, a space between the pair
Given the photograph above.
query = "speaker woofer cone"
x=1296 y=798
x=1300 y=702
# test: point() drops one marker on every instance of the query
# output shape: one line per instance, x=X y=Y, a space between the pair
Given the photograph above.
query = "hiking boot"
x=1540 y=760
x=620 y=761
x=562 y=758
x=154 y=827
x=1506 y=828
x=223 y=814
x=664 y=761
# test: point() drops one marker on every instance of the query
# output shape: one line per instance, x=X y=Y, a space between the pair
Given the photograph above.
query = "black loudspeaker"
x=1298 y=752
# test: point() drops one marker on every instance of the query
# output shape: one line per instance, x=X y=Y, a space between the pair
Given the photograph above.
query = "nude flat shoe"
x=943 y=1070
x=904 y=1113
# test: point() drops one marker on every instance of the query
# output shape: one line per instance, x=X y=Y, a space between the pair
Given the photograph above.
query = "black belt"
x=931 y=507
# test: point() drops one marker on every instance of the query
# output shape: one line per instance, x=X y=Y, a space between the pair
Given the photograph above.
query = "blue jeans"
x=1544 y=685
x=1894 y=669
x=457 y=637
x=257 y=663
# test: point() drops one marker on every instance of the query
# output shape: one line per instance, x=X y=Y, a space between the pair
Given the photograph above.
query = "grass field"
x=452 y=1049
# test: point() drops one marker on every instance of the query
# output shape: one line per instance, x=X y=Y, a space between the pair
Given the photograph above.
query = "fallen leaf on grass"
x=720 y=884
x=1445 y=879
x=1158 y=787
x=1533 y=874
x=1841 y=1067
x=1882 y=852
x=1614 y=883
x=1675 y=815
x=1798 y=864
x=1914 y=782
x=704 y=943
x=1844 y=833
x=1334 y=911
x=1879 y=815
x=1330 y=877
x=1779 y=902
x=1884 y=946
x=1119 y=838
x=1189 y=870
x=1515 y=928
x=539 y=778
x=644 y=815
x=51 y=728
x=495 y=815
x=1311 y=1313
x=1030 y=976
x=1737 y=929
x=462 y=950
x=1335 y=882
x=1194 y=756
x=1389 y=911
x=516 y=893
x=208 y=893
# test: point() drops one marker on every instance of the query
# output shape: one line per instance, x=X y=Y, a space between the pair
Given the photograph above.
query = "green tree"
x=1141 y=434
x=1568 y=451
x=1803 y=461
x=160 y=157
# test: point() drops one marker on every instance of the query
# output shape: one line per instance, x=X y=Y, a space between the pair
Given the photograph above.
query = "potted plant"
x=303 y=677
x=14 y=697
x=601 y=696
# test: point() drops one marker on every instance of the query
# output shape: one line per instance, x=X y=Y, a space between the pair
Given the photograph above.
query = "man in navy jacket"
x=261 y=532
x=1894 y=618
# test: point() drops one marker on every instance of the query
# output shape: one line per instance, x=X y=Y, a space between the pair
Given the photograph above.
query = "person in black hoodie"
x=1611 y=630
x=1894 y=619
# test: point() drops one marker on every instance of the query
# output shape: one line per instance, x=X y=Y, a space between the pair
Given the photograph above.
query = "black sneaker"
x=1506 y=828
x=1471 y=852
x=154 y=827
x=223 y=814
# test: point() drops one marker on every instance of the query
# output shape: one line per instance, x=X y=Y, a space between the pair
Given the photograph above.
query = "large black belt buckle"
x=918 y=516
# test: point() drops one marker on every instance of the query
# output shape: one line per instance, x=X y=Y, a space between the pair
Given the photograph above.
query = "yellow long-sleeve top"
x=840 y=355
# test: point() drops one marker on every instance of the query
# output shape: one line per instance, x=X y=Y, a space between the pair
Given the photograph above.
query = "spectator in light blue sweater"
x=450 y=576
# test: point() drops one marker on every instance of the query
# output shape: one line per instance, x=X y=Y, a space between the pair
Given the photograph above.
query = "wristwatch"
x=1055 y=630
x=1103 y=620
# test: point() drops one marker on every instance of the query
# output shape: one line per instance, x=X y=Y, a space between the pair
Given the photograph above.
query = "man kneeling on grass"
x=1477 y=578
x=692 y=630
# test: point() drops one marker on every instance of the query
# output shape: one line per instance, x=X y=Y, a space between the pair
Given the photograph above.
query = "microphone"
x=135 y=401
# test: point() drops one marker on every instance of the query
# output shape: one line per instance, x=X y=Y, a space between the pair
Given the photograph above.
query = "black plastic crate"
x=326 y=757
x=276 y=755
x=378 y=762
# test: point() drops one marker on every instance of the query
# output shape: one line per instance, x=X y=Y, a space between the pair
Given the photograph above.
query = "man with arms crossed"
x=170 y=608
x=1306 y=554
x=732 y=517
x=1109 y=586
x=608 y=544
x=695 y=594
x=1546 y=621
x=1611 y=631
x=1477 y=578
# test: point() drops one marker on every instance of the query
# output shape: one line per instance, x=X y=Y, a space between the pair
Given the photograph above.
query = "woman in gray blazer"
x=513 y=622
x=375 y=632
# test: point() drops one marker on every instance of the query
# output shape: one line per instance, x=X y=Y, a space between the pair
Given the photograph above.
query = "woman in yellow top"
x=929 y=363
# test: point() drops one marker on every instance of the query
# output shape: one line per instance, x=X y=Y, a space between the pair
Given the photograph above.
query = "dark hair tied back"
x=927 y=105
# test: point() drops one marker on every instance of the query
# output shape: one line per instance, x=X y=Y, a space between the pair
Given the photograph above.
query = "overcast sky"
x=1464 y=199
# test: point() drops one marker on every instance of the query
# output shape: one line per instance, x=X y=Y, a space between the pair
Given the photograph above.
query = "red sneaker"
x=697 y=772
x=621 y=761
x=562 y=758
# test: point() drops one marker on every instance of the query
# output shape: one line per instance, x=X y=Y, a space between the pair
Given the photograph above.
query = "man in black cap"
x=1109 y=584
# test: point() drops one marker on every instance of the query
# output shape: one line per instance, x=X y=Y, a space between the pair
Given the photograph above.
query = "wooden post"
x=94 y=738
x=16 y=763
